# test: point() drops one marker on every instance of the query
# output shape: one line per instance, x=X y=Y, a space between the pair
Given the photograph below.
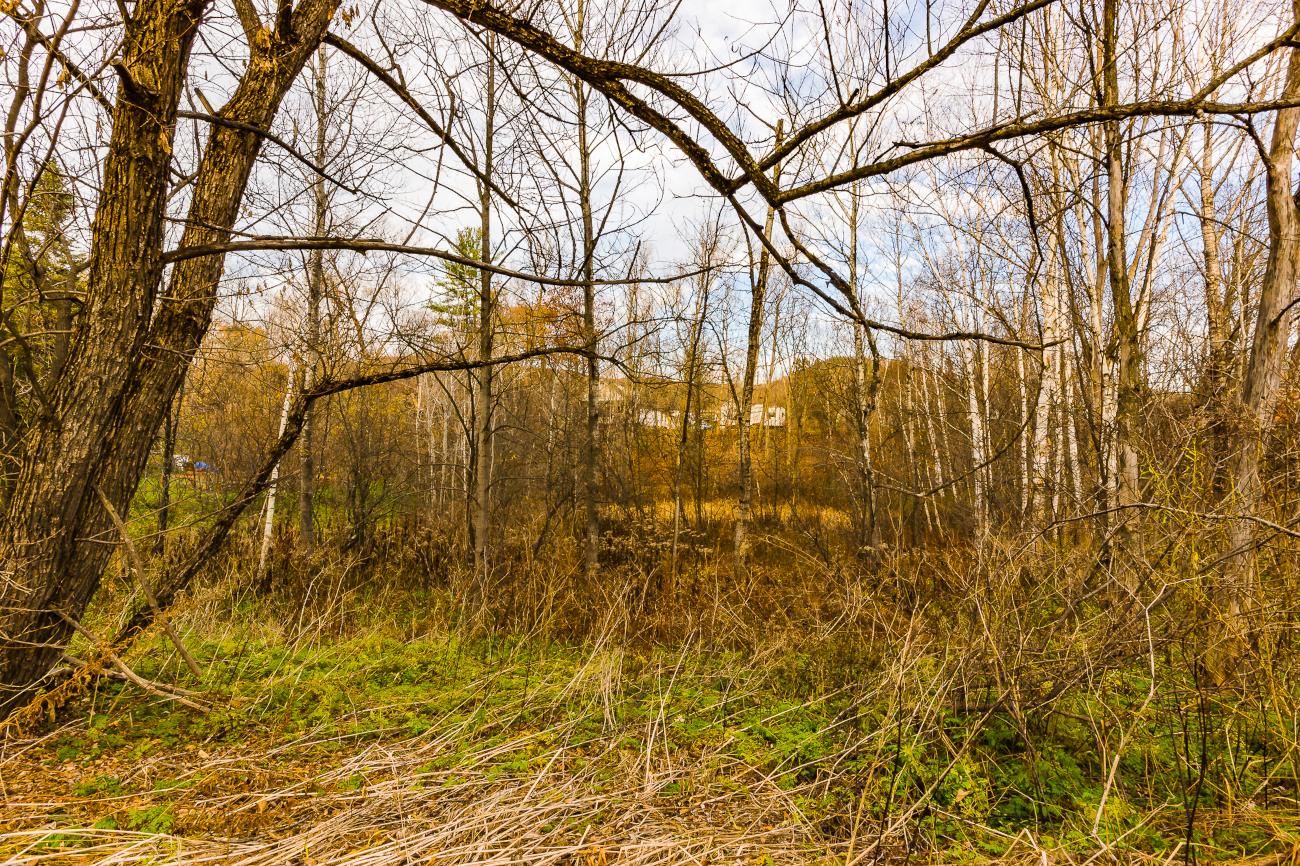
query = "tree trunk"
x=1125 y=347
x=1217 y=388
x=482 y=506
x=268 y=526
x=444 y=452
x=311 y=352
x=934 y=459
x=865 y=389
x=171 y=421
x=1040 y=506
x=745 y=501
x=133 y=343
x=979 y=491
x=1071 y=443
x=1263 y=376
x=591 y=449
x=692 y=362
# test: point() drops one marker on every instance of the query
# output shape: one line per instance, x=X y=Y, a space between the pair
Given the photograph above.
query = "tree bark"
x=133 y=343
x=1040 y=504
x=171 y=421
x=865 y=388
x=311 y=351
x=591 y=445
x=975 y=373
x=268 y=526
x=1125 y=348
x=1263 y=375
x=745 y=502
x=482 y=506
x=692 y=365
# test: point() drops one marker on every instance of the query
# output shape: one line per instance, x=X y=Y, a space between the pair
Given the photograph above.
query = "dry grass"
x=966 y=706
x=386 y=804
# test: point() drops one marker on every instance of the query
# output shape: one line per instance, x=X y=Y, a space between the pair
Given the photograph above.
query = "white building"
x=775 y=415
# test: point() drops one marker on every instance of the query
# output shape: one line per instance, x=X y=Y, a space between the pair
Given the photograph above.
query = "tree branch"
x=126 y=671
x=248 y=127
x=922 y=152
x=364 y=245
x=177 y=581
x=405 y=95
x=138 y=567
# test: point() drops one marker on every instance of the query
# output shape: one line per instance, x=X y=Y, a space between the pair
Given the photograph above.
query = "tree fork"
x=112 y=395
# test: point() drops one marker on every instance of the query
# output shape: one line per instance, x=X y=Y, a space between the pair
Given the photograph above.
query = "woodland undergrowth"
x=1007 y=700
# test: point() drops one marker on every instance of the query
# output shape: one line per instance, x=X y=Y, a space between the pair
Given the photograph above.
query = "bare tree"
x=753 y=338
x=315 y=290
x=99 y=416
x=1264 y=365
x=81 y=408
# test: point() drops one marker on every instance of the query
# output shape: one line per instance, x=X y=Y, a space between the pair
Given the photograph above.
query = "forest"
x=827 y=432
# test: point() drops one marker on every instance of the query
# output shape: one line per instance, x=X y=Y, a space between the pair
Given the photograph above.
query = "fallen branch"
x=131 y=675
x=119 y=676
x=138 y=566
